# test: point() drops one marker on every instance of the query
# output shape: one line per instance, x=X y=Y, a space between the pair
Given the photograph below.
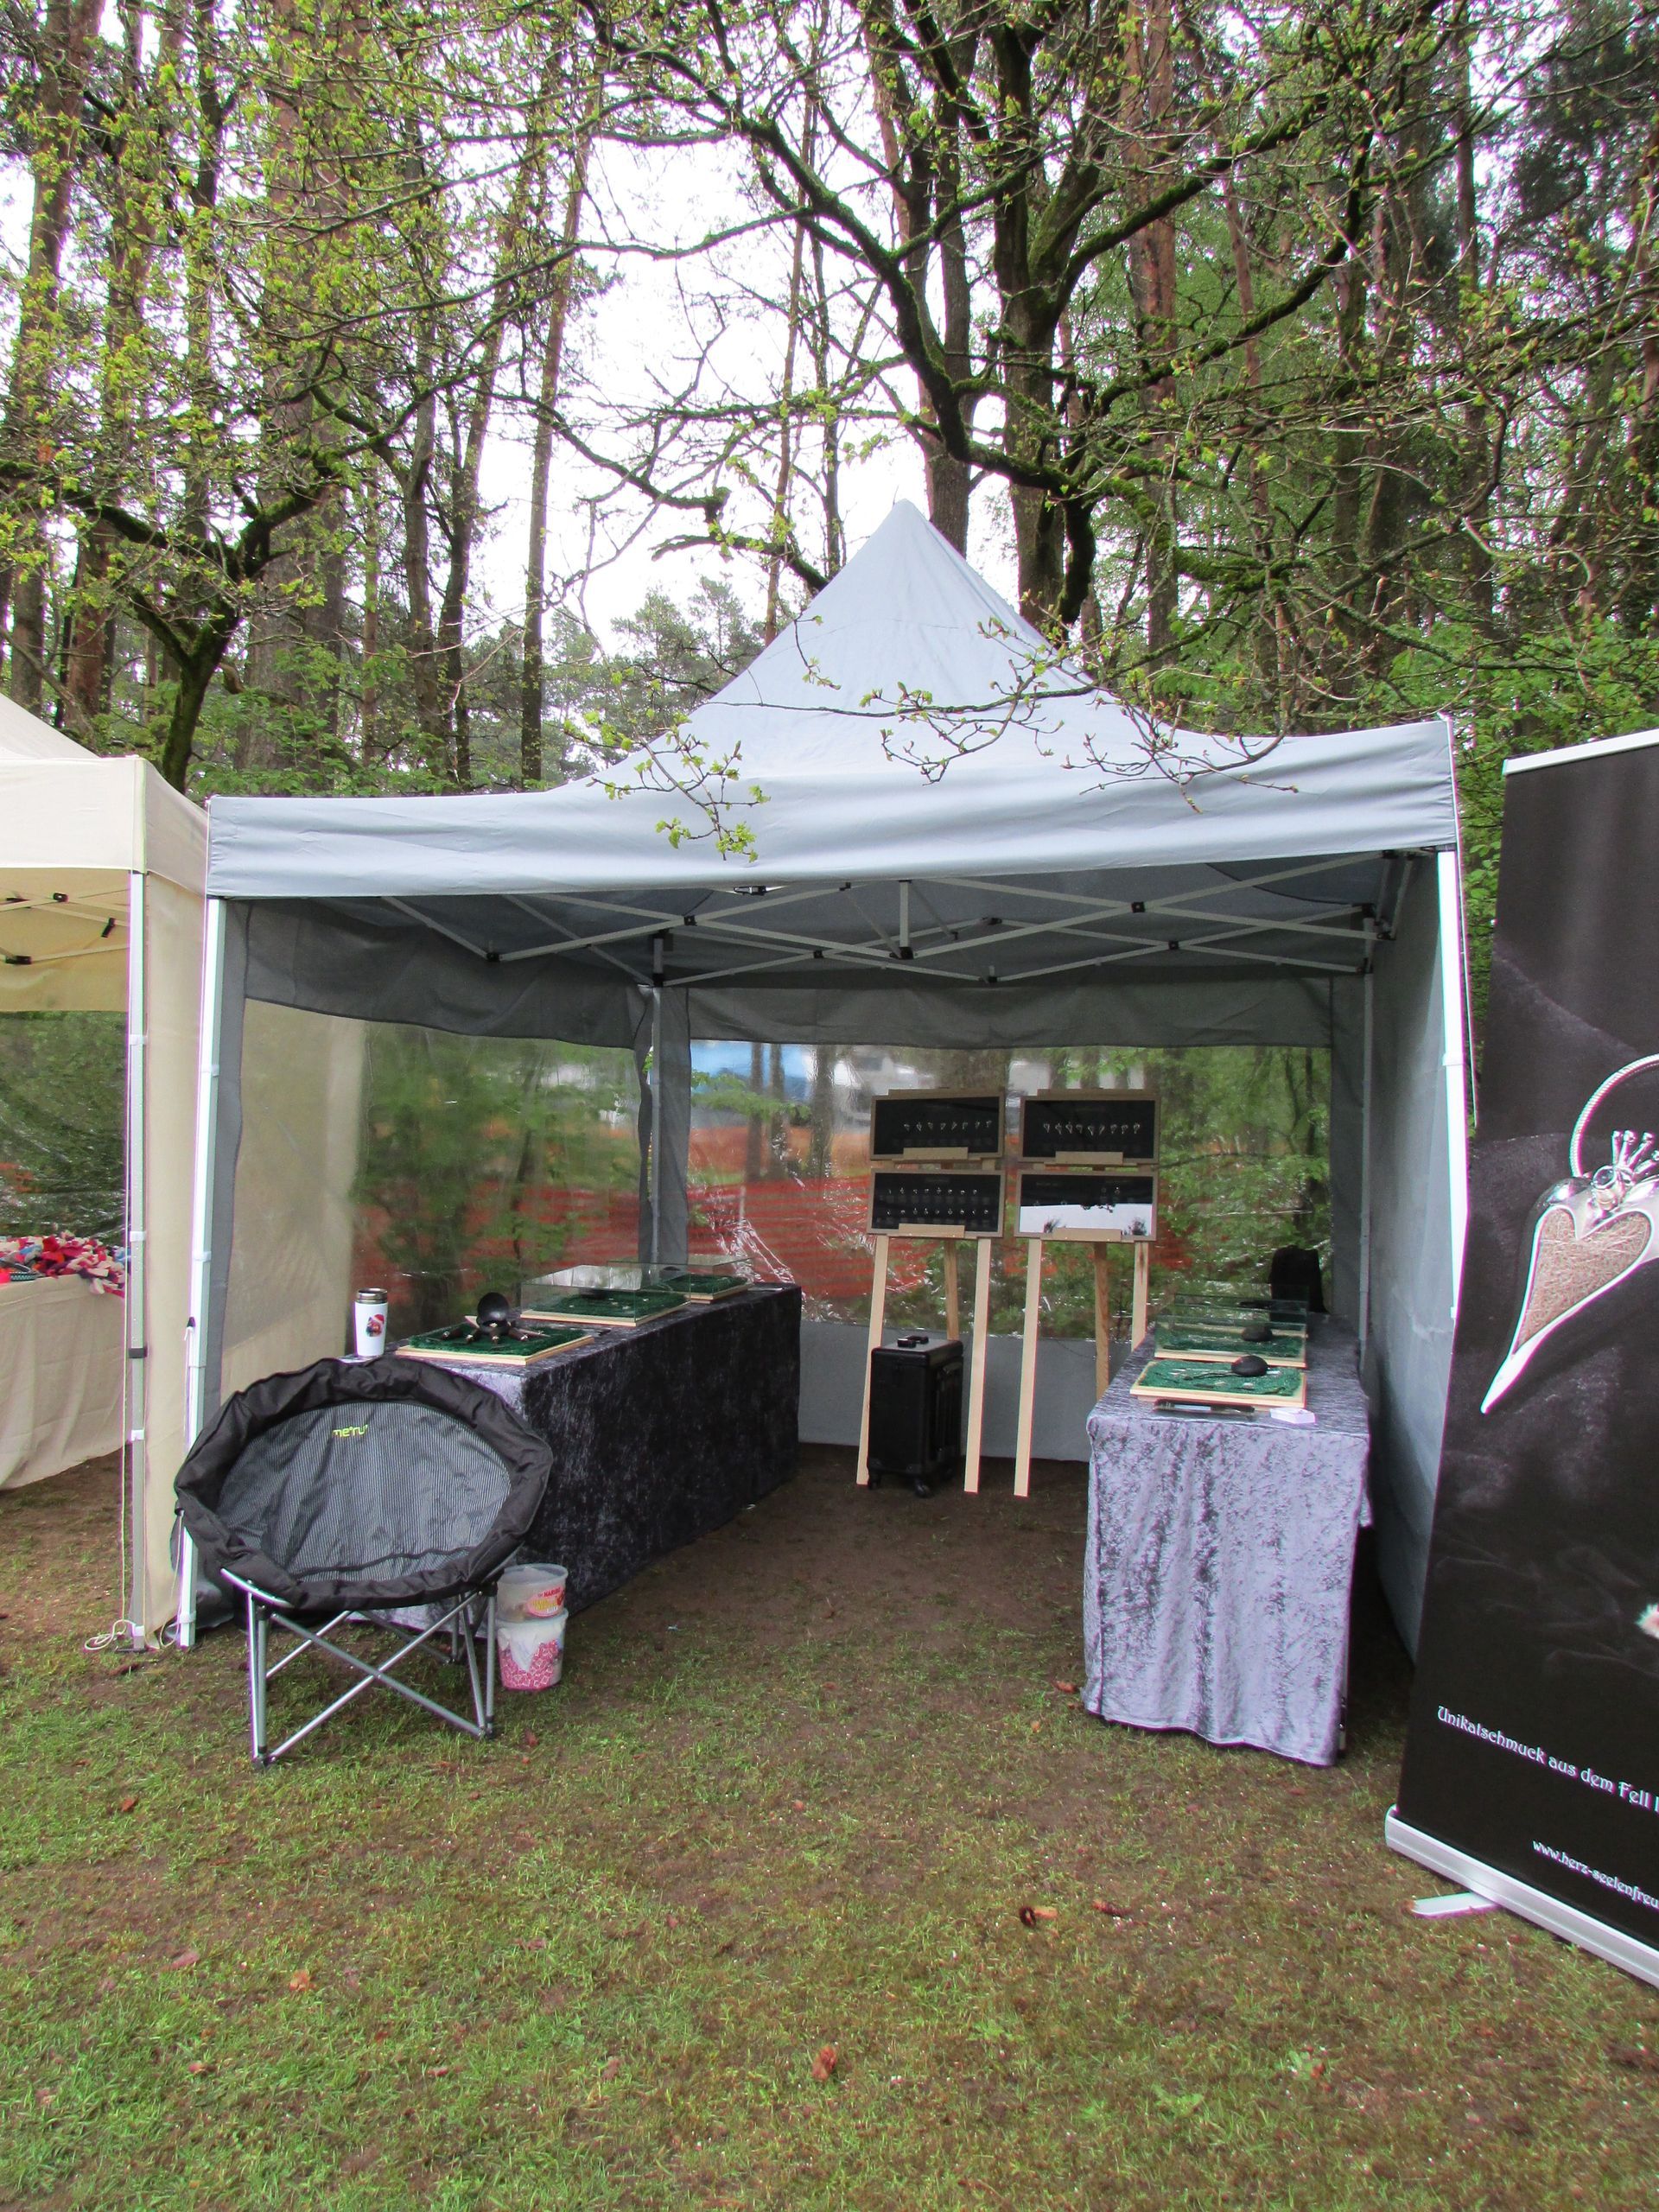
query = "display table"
x=659 y=1433
x=1219 y=1562
x=63 y=1354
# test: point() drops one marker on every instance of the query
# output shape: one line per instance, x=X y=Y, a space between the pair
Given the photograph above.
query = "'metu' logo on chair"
x=360 y=1429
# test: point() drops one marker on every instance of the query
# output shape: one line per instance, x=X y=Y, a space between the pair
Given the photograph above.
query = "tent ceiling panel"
x=63 y=940
x=1305 y=917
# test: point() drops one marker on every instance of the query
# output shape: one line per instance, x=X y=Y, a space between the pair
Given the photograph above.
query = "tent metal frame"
x=469 y=1617
x=1071 y=914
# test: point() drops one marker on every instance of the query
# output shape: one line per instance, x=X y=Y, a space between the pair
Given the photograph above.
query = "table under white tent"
x=101 y=871
x=901 y=824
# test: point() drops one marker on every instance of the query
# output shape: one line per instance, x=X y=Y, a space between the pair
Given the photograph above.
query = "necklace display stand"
x=936 y=1177
x=1087 y=1175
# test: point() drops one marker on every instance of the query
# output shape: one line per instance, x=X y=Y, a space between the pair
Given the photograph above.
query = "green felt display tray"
x=465 y=1344
x=606 y=1309
x=700 y=1286
x=1198 y=1382
x=1206 y=1340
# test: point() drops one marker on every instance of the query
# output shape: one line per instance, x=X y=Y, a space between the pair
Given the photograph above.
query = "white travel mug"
x=369 y=1314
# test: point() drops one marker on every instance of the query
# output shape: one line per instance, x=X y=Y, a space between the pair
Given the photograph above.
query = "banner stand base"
x=1563 y=1919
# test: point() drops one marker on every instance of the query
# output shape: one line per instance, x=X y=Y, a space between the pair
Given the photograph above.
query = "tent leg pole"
x=1102 y=1320
x=1365 y=1167
x=981 y=1361
x=656 y=1125
x=201 y=1232
x=135 y=1394
x=878 y=1315
x=1028 y=1368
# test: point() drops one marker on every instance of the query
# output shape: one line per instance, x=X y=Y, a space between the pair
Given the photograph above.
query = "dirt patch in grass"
x=798 y=1784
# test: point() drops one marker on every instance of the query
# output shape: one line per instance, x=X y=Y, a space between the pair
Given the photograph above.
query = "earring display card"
x=1098 y=1127
x=917 y=1202
x=1088 y=1209
x=937 y=1125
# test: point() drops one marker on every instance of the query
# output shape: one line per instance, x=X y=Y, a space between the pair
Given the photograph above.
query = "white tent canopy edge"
x=101 y=871
x=1053 y=886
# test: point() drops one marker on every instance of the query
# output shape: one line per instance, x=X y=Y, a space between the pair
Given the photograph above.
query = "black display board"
x=969 y=1204
x=1080 y=1125
x=1532 y=1763
x=936 y=1124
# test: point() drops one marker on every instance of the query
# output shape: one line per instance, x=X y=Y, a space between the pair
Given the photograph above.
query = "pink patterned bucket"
x=531 y=1653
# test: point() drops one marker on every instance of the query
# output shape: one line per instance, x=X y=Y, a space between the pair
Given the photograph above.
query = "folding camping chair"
x=354 y=1492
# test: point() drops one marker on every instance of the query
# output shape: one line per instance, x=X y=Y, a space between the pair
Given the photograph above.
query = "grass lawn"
x=796 y=1786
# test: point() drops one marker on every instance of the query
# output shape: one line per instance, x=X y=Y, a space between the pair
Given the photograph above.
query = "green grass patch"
x=793 y=1792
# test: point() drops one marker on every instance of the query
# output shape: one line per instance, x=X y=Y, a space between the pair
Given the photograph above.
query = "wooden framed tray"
x=702 y=1286
x=936 y=1202
x=1087 y=1206
x=1202 y=1340
x=606 y=1309
x=1198 y=1382
x=937 y=1125
x=464 y=1344
x=1095 y=1128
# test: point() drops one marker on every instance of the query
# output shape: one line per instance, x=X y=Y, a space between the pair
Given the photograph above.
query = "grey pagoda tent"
x=903 y=823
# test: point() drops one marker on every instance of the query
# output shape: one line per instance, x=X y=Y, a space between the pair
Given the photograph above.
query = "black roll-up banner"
x=1532 y=1760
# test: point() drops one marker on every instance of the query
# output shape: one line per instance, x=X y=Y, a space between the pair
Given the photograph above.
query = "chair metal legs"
x=467 y=1617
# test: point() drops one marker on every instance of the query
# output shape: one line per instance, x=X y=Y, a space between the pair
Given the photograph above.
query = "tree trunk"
x=67 y=34
x=532 y=704
x=754 y=1145
x=780 y=521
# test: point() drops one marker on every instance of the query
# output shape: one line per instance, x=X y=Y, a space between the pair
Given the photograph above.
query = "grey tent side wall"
x=1418 y=1199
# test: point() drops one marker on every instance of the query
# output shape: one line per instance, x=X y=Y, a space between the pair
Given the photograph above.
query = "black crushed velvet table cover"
x=1219 y=1562
x=659 y=1433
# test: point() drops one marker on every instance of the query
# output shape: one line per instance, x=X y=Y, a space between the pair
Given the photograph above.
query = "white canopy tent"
x=101 y=872
x=928 y=834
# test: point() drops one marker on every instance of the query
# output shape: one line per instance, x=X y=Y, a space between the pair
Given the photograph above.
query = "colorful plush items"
x=22 y=1256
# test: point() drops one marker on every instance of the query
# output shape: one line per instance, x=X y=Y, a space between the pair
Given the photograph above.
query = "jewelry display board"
x=1098 y=1128
x=1199 y=1340
x=1191 y=1382
x=936 y=1202
x=1086 y=1206
x=463 y=1343
x=938 y=1125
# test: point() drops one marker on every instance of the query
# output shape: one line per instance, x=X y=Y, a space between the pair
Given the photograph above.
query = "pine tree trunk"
x=532 y=697
x=68 y=32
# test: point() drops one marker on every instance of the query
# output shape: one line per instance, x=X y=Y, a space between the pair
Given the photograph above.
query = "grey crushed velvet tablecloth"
x=1219 y=1561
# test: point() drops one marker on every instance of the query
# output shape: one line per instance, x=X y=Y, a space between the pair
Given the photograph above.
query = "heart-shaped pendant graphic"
x=1589 y=1234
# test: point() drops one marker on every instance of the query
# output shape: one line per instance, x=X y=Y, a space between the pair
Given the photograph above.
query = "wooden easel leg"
x=1028 y=1368
x=952 y=1293
x=878 y=1313
x=982 y=1361
x=1102 y=1320
x=1142 y=1285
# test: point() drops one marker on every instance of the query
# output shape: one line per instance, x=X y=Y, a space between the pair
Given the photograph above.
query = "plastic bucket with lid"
x=533 y=1592
x=531 y=1653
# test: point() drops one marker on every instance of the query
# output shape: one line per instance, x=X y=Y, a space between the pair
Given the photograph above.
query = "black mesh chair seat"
x=351 y=1489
